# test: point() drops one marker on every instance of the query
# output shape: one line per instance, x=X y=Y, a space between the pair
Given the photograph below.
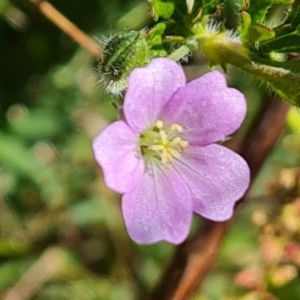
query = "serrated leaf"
x=259 y=8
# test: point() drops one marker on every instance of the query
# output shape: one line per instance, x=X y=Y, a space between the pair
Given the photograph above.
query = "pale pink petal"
x=207 y=109
x=160 y=208
x=116 y=151
x=149 y=90
x=217 y=177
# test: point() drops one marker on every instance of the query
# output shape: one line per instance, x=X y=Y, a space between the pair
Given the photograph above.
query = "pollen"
x=162 y=144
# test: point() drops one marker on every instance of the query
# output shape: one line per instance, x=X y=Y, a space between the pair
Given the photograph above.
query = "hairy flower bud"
x=122 y=53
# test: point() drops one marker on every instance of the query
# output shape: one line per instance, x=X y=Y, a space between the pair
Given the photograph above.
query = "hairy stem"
x=282 y=81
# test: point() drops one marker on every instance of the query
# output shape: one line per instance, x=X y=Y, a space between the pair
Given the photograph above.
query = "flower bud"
x=122 y=53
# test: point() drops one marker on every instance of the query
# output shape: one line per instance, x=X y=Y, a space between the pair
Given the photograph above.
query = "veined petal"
x=207 y=109
x=160 y=208
x=149 y=90
x=217 y=178
x=115 y=149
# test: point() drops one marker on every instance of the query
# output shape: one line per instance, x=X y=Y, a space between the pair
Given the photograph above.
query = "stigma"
x=162 y=144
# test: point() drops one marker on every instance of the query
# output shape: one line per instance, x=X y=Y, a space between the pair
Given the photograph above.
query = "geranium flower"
x=162 y=156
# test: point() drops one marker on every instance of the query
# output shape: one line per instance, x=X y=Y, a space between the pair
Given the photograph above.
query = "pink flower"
x=162 y=157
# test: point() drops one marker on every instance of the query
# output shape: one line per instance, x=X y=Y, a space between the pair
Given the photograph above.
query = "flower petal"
x=159 y=209
x=149 y=90
x=207 y=109
x=217 y=177
x=115 y=149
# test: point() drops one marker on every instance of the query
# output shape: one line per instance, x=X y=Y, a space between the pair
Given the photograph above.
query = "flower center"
x=162 y=144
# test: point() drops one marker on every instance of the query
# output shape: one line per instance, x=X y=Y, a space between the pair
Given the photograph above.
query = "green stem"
x=282 y=81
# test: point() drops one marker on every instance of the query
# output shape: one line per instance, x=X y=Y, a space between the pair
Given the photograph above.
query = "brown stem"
x=194 y=258
x=68 y=27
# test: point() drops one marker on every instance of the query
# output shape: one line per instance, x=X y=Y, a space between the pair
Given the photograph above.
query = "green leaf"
x=4 y=4
x=162 y=9
x=11 y=272
x=284 y=44
x=245 y=26
x=178 y=9
x=86 y=212
x=288 y=291
x=258 y=33
x=293 y=120
x=155 y=39
x=209 y=5
x=16 y=156
x=9 y=248
x=259 y=8
x=294 y=18
x=37 y=123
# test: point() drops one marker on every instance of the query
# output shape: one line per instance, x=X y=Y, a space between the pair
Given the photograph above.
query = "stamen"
x=175 y=141
x=174 y=152
x=164 y=137
x=183 y=144
x=159 y=124
x=161 y=143
x=176 y=127
x=157 y=147
x=165 y=157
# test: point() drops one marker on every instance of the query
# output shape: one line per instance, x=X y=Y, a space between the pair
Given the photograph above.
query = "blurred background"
x=61 y=230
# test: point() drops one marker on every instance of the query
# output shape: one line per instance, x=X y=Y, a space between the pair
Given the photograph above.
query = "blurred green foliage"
x=61 y=231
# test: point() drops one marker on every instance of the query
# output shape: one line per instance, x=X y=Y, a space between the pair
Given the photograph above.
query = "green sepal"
x=123 y=52
x=259 y=33
x=155 y=40
x=116 y=51
x=245 y=24
x=253 y=35
x=245 y=4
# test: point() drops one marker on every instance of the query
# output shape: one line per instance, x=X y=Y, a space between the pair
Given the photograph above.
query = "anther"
x=162 y=143
x=159 y=124
x=183 y=144
x=176 y=127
